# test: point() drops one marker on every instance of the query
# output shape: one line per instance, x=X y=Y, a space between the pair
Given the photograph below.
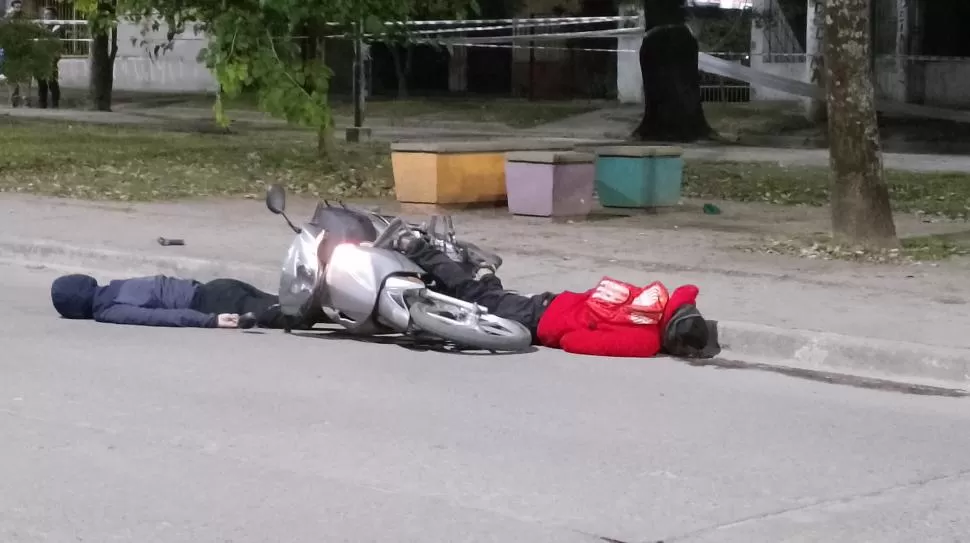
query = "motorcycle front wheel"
x=486 y=331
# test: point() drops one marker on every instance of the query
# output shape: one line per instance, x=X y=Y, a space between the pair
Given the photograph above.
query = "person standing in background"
x=15 y=11
x=51 y=86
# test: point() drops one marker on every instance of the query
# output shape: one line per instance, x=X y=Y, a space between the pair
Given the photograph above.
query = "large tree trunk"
x=671 y=82
x=104 y=47
x=861 y=212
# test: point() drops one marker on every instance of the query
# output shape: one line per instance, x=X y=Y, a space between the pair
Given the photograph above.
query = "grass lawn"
x=103 y=162
x=132 y=164
x=512 y=112
x=940 y=194
x=508 y=111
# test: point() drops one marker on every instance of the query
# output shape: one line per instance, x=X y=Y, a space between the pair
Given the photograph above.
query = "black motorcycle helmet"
x=686 y=334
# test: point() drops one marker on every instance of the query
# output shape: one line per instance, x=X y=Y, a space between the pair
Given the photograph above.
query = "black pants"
x=49 y=86
x=232 y=296
x=488 y=291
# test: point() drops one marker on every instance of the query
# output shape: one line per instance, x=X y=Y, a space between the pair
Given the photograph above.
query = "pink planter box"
x=550 y=183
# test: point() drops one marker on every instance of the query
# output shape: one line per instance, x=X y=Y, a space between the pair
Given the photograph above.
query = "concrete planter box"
x=550 y=183
x=456 y=172
x=639 y=177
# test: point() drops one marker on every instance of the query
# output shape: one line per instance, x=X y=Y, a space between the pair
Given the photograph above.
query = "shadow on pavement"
x=404 y=342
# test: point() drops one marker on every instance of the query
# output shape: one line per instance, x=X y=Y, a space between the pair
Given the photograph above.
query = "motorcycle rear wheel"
x=487 y=332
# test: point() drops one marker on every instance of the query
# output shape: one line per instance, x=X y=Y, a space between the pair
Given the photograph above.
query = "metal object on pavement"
x=343 y=264
x=166 y=242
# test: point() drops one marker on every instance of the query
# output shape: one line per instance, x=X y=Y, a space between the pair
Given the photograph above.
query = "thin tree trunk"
x=325 y=142
x=861 y=211
x=402 y=67
x=103 y=49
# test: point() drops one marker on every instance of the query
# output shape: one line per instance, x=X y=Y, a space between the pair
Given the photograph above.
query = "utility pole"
x=358 y=132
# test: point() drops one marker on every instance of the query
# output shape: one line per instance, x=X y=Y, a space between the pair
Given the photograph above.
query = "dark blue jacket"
x=150 y=301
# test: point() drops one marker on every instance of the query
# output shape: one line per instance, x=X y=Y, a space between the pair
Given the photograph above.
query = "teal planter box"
x=632 y=176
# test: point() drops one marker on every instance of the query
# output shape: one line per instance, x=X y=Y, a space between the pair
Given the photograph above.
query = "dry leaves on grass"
x=913 y=251
x=944 y=195
x=132 y=164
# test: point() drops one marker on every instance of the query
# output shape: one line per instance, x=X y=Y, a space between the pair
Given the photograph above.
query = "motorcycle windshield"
x=341 y=225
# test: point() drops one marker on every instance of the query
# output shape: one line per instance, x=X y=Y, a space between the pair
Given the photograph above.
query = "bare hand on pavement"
x=228 y=320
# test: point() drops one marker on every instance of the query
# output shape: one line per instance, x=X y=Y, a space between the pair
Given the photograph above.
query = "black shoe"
x=247 y=321
x=480 y=258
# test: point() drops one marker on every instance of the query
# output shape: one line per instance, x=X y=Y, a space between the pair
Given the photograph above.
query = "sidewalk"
x=872 y=304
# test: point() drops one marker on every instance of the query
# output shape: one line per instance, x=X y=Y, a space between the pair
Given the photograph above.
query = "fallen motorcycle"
x=342 y=263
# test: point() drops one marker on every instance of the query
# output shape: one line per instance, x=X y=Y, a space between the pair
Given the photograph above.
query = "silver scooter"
x=342 y=264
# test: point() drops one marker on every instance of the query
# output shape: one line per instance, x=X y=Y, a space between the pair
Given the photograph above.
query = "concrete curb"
x=754 y=344
x=64 y=256
x=835 y=353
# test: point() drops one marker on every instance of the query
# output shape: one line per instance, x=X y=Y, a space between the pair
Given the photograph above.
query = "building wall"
x=178 y=70
x=947 y=83
x=944 y=83
x=629 y=80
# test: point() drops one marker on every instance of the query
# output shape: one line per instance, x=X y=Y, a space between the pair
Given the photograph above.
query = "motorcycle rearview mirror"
x=276 y=202
x=276 y=199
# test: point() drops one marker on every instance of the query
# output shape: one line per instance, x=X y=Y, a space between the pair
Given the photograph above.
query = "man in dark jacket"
x=166 y=301
x=51 y=86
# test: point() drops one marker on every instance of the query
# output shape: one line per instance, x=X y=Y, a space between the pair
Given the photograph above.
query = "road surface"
x=115 y=433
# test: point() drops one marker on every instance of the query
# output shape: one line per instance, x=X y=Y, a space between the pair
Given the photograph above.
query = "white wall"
x=177 y=70
x=629 y=83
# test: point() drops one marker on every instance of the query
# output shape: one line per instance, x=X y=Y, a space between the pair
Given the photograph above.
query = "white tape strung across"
x=535 y=21
x=613 y=33
x=542 y=47
x=713 y=65
x=491 y=28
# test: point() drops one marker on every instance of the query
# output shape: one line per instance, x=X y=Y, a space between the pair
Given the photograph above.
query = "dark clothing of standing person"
x=51 y=86
x=15 y=12
x=165 y=301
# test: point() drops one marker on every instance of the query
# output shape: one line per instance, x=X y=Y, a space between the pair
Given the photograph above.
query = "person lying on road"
x=613 y=319
x=166 y=301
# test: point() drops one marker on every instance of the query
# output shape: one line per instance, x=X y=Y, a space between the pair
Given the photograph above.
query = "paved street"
x=117 y=433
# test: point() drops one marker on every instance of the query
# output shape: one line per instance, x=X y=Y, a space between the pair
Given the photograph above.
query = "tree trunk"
x=325 y=143
x=671 y=81
x=402 y=68
x=104 y=49
x=861 y=212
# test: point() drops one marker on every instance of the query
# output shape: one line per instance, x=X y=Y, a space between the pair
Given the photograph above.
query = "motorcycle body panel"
x=301 y=270
x=357 y=279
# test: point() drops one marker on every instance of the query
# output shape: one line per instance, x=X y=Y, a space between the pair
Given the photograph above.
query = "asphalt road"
x=114 y=433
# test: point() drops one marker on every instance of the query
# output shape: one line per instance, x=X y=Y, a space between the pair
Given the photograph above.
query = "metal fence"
x=580 y=68
x=715 y=88
x=76 y=36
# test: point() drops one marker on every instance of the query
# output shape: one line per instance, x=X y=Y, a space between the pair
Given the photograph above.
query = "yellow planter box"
x=456 y=172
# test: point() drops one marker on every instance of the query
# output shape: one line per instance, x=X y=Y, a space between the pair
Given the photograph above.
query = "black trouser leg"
x=487 y=291
x=233 y=296
x=55 y=87
x=42 y=93
x=55 y=92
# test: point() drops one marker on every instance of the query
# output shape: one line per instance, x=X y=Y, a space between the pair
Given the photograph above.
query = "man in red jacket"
x=612 y=319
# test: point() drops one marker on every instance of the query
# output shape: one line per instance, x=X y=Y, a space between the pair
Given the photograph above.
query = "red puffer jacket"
x=613 y=319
